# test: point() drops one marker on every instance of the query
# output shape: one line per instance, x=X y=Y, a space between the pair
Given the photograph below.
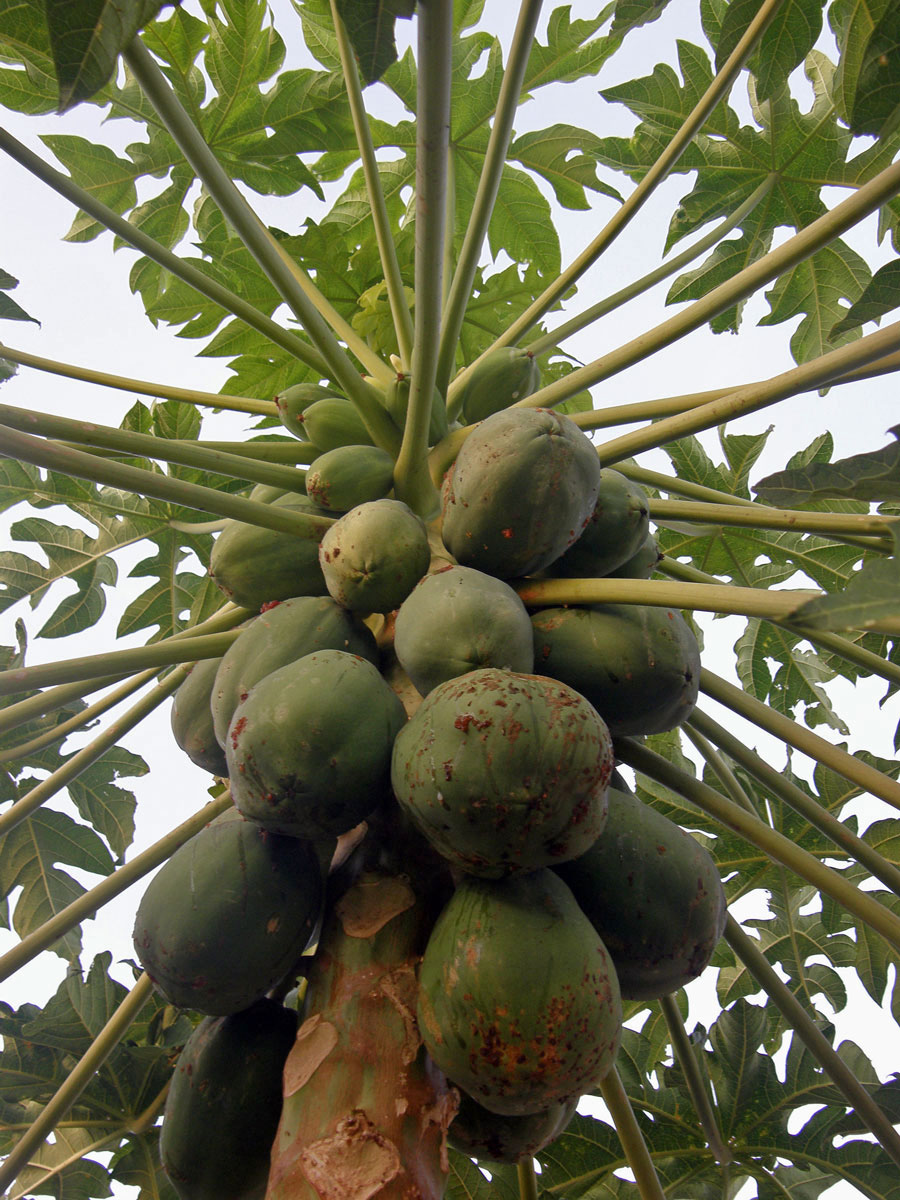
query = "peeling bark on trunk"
x=365 y=1111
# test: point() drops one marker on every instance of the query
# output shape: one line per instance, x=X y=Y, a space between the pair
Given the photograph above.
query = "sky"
x=87 y=316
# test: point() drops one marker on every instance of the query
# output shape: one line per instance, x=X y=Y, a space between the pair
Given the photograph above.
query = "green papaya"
x=346 y=476
x=492 y=1137
x=616 y=530
x=309 y=749
x=638 y=665
x=520 y=492
x=458 y=620
x=284 y=632
x=518 y=998
x=504 y=772
x=642 y=563
x=224 y=1102
x=334 y=422
x=254 y=566
x=192 y=721
x=503 y=376
x=396 y=401
x=227 y=916
x=293 y=402
x=374 y=555
x=265 y=493
x=653 y=894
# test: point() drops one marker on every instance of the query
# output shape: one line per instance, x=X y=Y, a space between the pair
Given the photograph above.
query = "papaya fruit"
x=285 y=632
x=503 y=376
x=293 y=402
x=521 y=490
x=227 y=916
x=616 y=529
x=254 y=566
x=642 y=563
x=396 y=401
x=639 y=666
x=192 y=721
x=346 y=476
x=333 y=422
x=458 y=620
x=224 y=1102
x=265 y=493
x=519 y=1003
x=504 y=772
x=492 y=1137
x=653 y=894
x=374 y=555
x=309 y=749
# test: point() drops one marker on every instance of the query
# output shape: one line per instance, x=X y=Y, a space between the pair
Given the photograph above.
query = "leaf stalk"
x=616 y=1100
x=693 y=1077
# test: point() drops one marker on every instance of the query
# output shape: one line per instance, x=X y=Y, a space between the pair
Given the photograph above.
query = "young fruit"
x=346 y=476
x=492 y=1137
x=504 y=376
x=192 y=721
x=396 y=401
x=333 y=422
x=617 y=529
x=293 y=402
x=374 y=555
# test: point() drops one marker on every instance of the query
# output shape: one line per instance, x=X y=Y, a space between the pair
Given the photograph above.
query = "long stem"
x=190 y=275
x=56 y=457
x=691 y=126
x=89 y=902
x=412 y=482
x=853 y=769
x=164 y=653
x=144 y=445
x=778 y=847
x=528 y=1187
x=488 y=186
x=309 y=306
x=633 y=1144
x=387 y=250
x=792 y=795
x=690 y=1068
x=268 y=451
x=555 y=336
x=162 y=391
x=834 y=525
x=840 y=1074
x=716 y=761
x=77 y=1080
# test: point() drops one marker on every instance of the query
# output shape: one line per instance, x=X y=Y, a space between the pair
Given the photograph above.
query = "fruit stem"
x=161 y=391
x=663 y=165
x=488 y=185
x=206 y=286
x=794 y=796
x=77 y=1080
x=144 y=445
x=693 y=1076
x=840 y=1074
x=778 y=847
x=89 y=902
x=617 y=299
x=826 y=524
x=616 y=1100
x=268 y=450
x=82 y=465
x=528 y=1188
x=867 y=778
x=387 y=250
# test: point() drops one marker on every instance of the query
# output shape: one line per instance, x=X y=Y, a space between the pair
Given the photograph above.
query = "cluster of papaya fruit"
x=479 y=730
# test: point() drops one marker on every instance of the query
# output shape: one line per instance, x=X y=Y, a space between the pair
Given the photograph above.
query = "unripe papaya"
x=503 y=376
x=333 y=422
x=224 y=1102
x=254 y=566
x=396 y=401
x=521 y=490
x=374 y=556
x=638 y=665
x=265 y=493
x=616 y=530
x=458 y=620
x=283 y=633
x=653 y=894
x=293 y=402
x=492 y=1137
x=346 y=476
x=227 y=916
x=642 y=563
x=192 y=722
x=518 y=999
x=504 y=772
x=309 y=749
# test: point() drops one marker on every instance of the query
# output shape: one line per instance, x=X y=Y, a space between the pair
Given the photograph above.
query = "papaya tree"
x=358 y=211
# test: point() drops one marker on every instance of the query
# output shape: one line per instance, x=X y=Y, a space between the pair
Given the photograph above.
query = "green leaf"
x=873 y=476
x=82 y=1179
x=881 y=295
x=110 y=809
x=867 y=88
x=9 y=309
x=632 y=13
x=87 y=37
x=468 y=1181
x=137 y=1164
x=370 y=25
x=29 y=87
x=873 y=594
x=783 y=46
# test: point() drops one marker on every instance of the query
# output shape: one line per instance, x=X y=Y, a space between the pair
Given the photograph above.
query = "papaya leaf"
x=872 y=594
x=872 y=476
x=370 y=26
x=783 y=46
x=867 y=91
x=82 y=1179
x=109 y=808
x=881 y=295
x=632 y=13
x=468 y=1181
x=9 y=309
x=87 y=37
x=137 y=1164
x=30 y=85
